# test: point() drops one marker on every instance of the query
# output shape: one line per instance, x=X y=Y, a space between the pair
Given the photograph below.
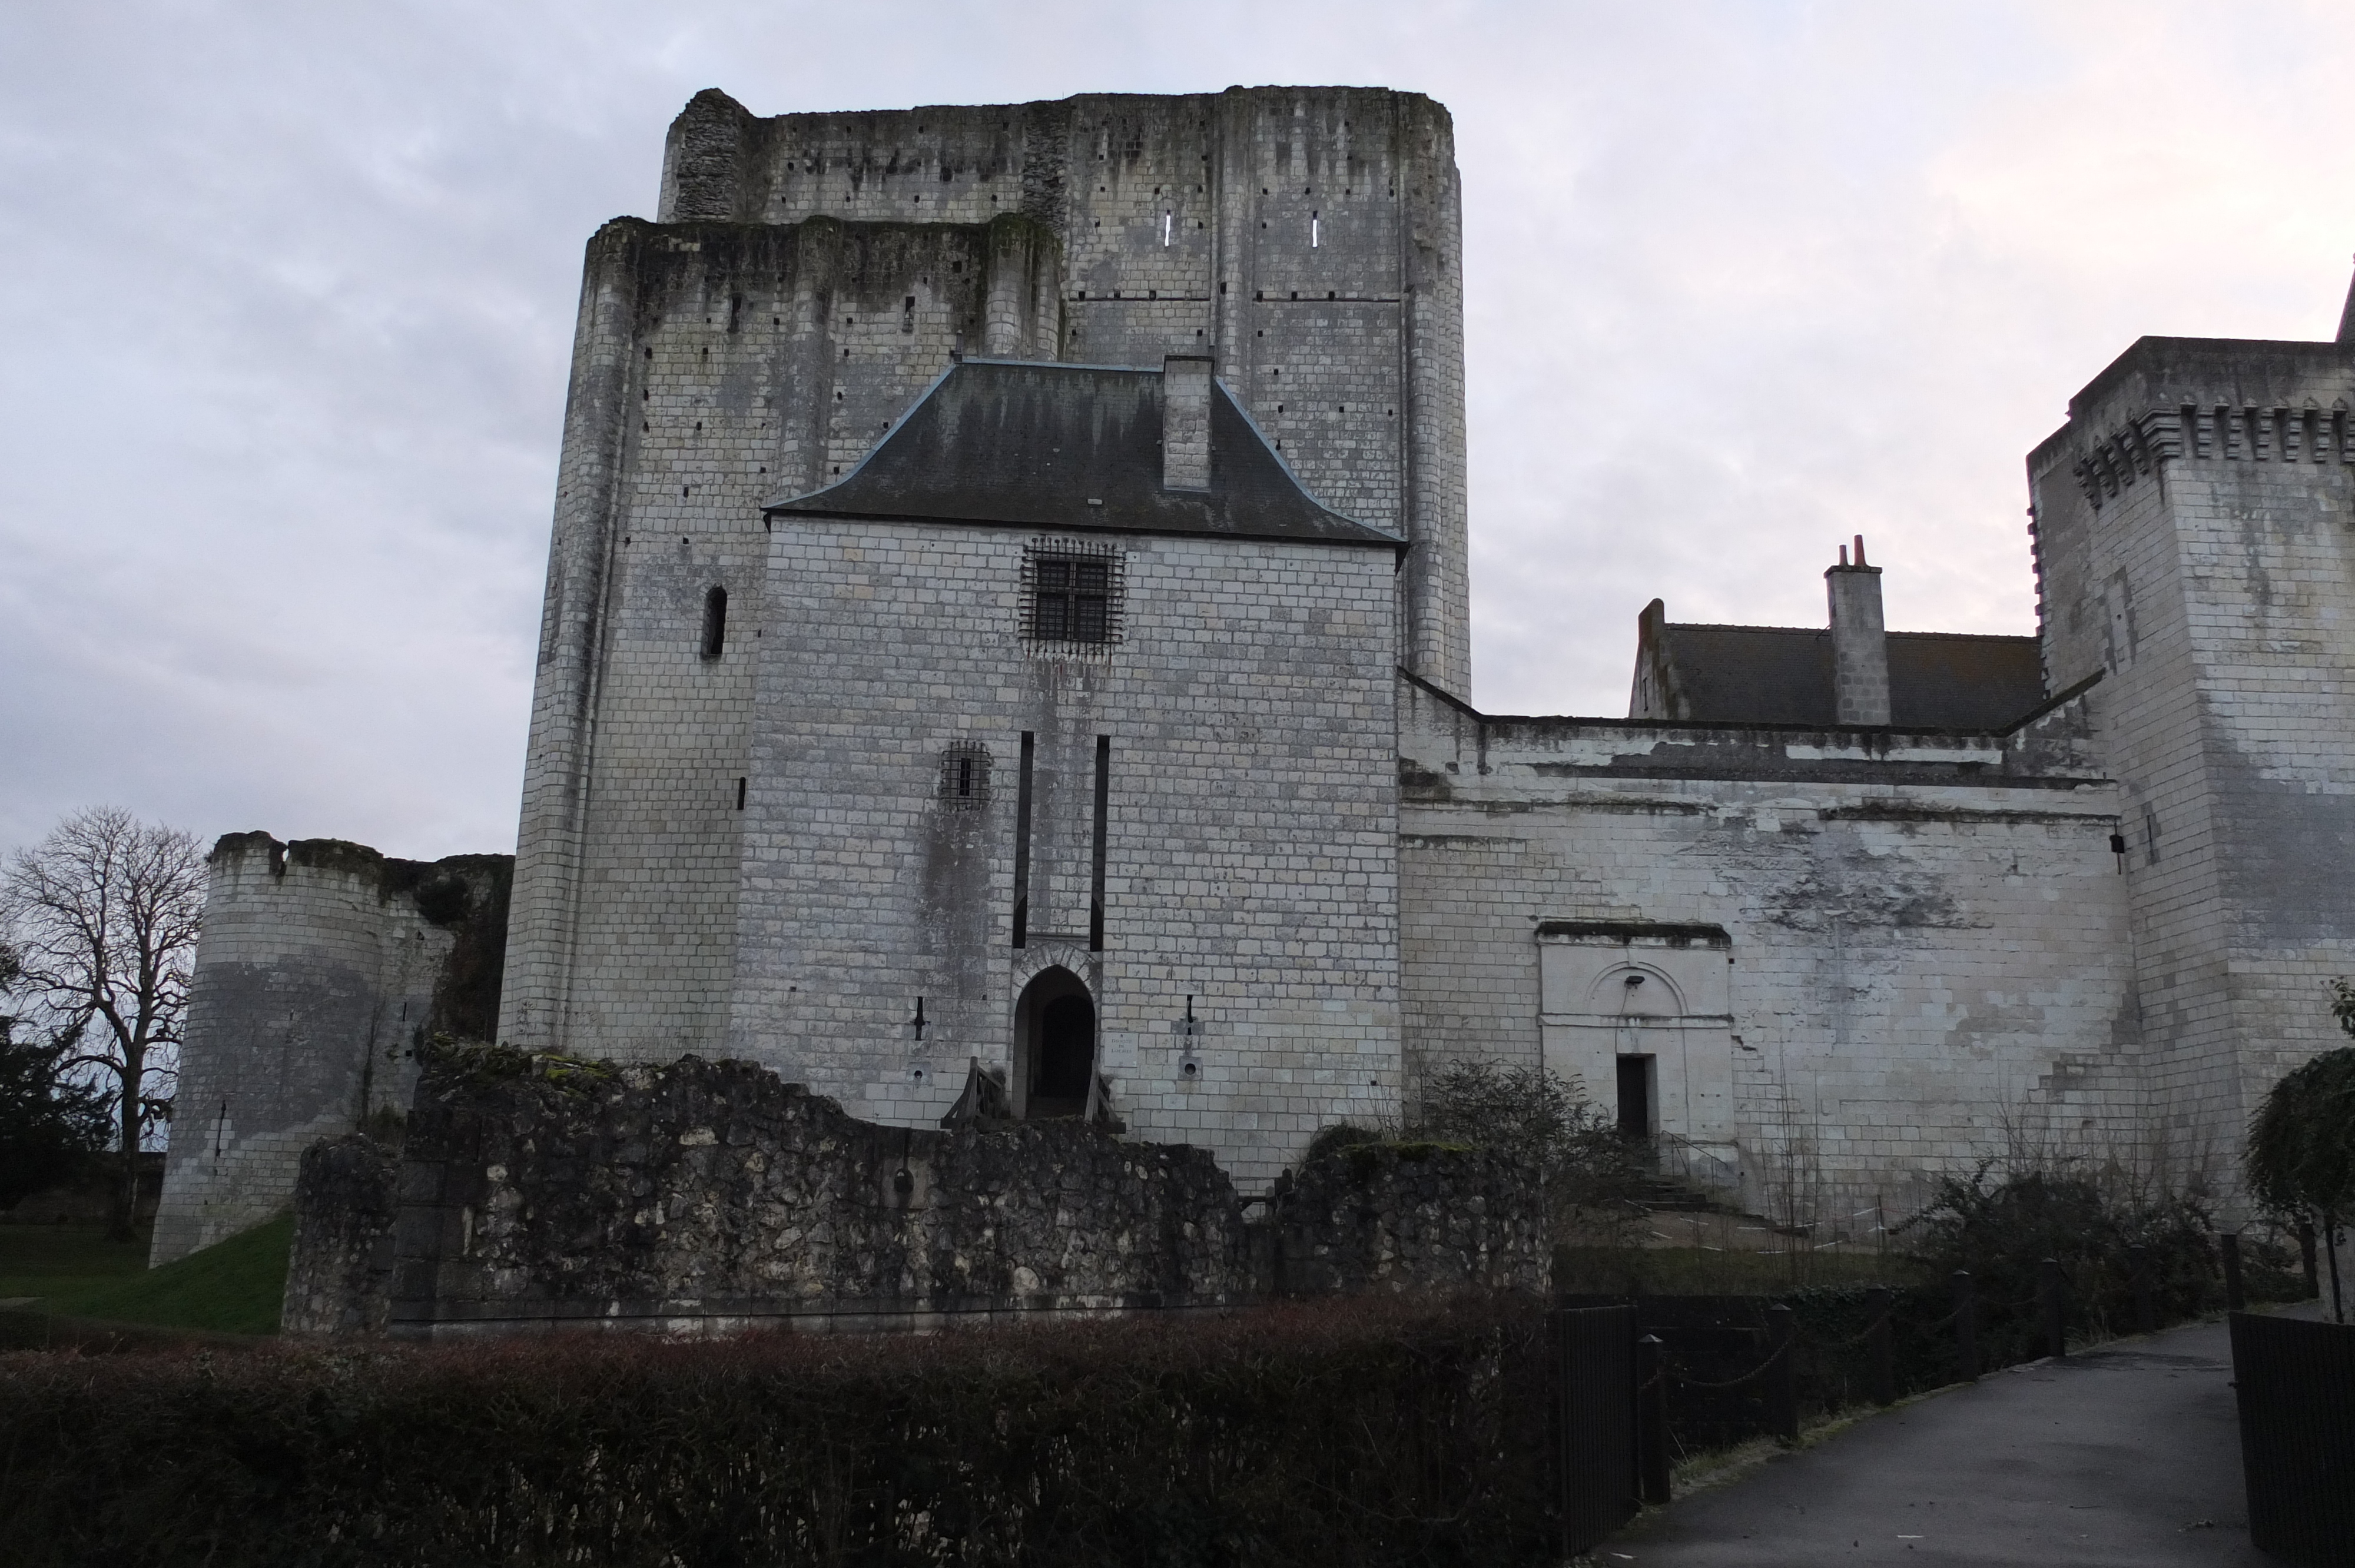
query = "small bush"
x=1333 y=1139
x=1593 y=1173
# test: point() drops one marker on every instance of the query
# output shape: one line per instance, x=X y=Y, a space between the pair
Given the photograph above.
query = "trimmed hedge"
x=1359 y=1433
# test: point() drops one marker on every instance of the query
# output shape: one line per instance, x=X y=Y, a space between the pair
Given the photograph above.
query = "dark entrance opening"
x=1636 y=1096
x=1056 y=1030
x=1066 y=1053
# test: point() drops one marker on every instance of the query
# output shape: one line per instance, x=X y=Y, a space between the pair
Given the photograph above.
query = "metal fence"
x=1596 y=1349
x=2296 y=1383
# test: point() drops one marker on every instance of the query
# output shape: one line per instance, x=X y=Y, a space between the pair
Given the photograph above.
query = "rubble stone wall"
x=536 y=1192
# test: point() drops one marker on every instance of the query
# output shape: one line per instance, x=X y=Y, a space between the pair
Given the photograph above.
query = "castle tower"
x=322 y=967
x=809 y=276
x=2195 y=524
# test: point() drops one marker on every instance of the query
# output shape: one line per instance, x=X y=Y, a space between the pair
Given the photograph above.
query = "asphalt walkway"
x=2128 y=1454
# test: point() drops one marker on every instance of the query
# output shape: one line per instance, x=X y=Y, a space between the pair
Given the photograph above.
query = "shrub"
x=1355 y=1433
x=1592 y=1172
x=2301 y=1151
x=1333 y=1139
x=2002 y=1229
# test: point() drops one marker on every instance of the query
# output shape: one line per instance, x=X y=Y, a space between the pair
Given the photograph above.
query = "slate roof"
x=1772 y=675
x=1073 y=447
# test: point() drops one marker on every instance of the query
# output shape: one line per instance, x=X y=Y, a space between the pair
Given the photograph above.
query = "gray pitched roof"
x=1073 y=447
x=1774 y=674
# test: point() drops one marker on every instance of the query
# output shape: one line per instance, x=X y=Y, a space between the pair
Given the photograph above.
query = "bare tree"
x=103 y=916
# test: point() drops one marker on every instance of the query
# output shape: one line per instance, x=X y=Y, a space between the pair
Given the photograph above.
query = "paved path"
x=2128 y=1456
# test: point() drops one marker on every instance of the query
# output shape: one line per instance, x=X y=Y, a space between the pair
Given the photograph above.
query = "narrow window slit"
x=1022 y=843
x=1096 y=862
x=715 y=621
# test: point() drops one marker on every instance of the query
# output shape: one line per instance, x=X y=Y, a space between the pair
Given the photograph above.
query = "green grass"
x=65 y=1260
x=233 y=1287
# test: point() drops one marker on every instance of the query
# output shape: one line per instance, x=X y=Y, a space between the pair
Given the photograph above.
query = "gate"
x=1596 y=1347
x=2295 y=1380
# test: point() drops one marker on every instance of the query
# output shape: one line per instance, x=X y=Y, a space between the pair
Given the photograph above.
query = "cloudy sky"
x=288 y=295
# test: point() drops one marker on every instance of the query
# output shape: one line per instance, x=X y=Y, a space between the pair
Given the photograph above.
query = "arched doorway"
x=1055 y=1045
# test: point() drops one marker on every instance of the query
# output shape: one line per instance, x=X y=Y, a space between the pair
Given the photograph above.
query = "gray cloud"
x=292 y=296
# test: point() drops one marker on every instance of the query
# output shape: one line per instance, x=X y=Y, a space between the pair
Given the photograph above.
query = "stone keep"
x=809 y=276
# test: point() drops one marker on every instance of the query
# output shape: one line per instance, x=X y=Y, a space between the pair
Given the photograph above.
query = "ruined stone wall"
x=709 y=1195
x=321 y=968
x=1390 y=1217
x=2196 y=548
x=1250 y=835
x=704 y=1190
x=1890 y=947
x=339 y=1272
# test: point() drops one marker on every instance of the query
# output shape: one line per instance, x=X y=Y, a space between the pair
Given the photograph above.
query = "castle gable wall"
x=1249 y=844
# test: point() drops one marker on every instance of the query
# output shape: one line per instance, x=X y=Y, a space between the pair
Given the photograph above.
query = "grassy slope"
x=235 y=1285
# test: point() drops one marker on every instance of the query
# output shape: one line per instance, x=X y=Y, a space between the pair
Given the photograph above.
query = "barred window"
x=1072 y=601
x=1073 y=596
x=965 y=776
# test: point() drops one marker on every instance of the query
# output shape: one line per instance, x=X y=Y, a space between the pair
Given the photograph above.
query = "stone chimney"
x=1185 y=422
x=1859 y=641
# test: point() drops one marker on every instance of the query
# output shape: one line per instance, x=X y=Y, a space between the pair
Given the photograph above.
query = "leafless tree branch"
x=103 y=916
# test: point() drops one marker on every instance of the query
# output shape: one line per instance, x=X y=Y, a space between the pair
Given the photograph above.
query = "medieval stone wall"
x=1309 y=238
x=1892 y=949
x=339 y=1272
x=2196 y=548
x=322 y=967
x=1250 y=836
x=717 y=367
x=705 y=1195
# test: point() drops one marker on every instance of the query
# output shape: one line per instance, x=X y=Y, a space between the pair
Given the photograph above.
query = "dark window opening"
x=715 y=621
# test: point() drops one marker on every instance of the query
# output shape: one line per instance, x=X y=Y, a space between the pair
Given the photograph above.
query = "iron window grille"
x=1071 y=597
x=964 y=777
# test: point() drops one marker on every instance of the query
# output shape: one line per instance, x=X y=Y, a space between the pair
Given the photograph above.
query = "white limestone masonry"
x=784 y=759
x=1251 y=839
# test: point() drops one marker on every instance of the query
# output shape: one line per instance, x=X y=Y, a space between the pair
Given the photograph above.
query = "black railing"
x=2295 y=1379
x=1596 y=1347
